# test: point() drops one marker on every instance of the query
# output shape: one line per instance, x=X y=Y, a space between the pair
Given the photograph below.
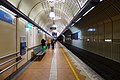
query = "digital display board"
x=54 y=34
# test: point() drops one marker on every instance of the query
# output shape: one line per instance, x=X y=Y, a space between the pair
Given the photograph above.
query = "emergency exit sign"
x=29 y=25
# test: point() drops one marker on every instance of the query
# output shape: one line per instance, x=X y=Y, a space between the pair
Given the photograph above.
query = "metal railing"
x=11 y=59
x=2 y=57
x=10 y=66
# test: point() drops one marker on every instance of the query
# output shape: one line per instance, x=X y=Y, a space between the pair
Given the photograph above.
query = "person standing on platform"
x=48 y=42
x=52 y=43
x=43 y=43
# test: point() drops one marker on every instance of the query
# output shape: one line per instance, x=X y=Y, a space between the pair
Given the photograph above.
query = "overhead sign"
x=54 y=34
x=53 y=28
x=6 y=17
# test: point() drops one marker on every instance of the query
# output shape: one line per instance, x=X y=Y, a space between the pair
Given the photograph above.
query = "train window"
x=74 y=36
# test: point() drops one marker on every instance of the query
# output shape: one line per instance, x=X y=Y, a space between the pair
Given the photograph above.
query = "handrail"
x=9 y=55
x=2 y=57
x=17 y=52
x=10 y=66
x=9 y=60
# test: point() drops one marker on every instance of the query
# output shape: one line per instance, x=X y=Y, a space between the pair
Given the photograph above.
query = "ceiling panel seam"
x=34 y=7
x=43 y=7
x=19 y=4
x=37 y=15
x=78 y=4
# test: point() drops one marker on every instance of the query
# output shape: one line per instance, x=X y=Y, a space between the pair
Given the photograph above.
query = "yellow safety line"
x=76 y=75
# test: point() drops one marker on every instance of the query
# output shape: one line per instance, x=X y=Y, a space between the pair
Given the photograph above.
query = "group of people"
x=49 y=41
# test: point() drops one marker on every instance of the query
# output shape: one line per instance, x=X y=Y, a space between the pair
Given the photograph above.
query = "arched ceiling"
x=39 y=10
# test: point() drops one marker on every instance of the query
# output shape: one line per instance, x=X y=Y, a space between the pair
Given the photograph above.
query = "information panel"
x=22 y=45
x=54 y=34
x=6 y=17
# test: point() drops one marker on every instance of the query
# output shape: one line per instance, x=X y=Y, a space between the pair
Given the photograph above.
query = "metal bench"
x=38 y=51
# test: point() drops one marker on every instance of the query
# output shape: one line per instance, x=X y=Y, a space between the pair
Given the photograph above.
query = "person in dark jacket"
x=52 y=43
x=43 y=42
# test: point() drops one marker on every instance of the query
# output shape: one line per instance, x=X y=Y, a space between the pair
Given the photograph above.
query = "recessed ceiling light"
x=52 y=15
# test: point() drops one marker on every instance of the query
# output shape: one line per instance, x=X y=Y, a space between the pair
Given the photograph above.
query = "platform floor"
x=55 y=65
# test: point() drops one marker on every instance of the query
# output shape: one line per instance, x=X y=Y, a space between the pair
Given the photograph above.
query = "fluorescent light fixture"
x=78 y=20
x=89 y=10
x=72 y=24
x=108 y=40
x=101 y=0
x=91 y=29
x=52 y=15
x=88 y=39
